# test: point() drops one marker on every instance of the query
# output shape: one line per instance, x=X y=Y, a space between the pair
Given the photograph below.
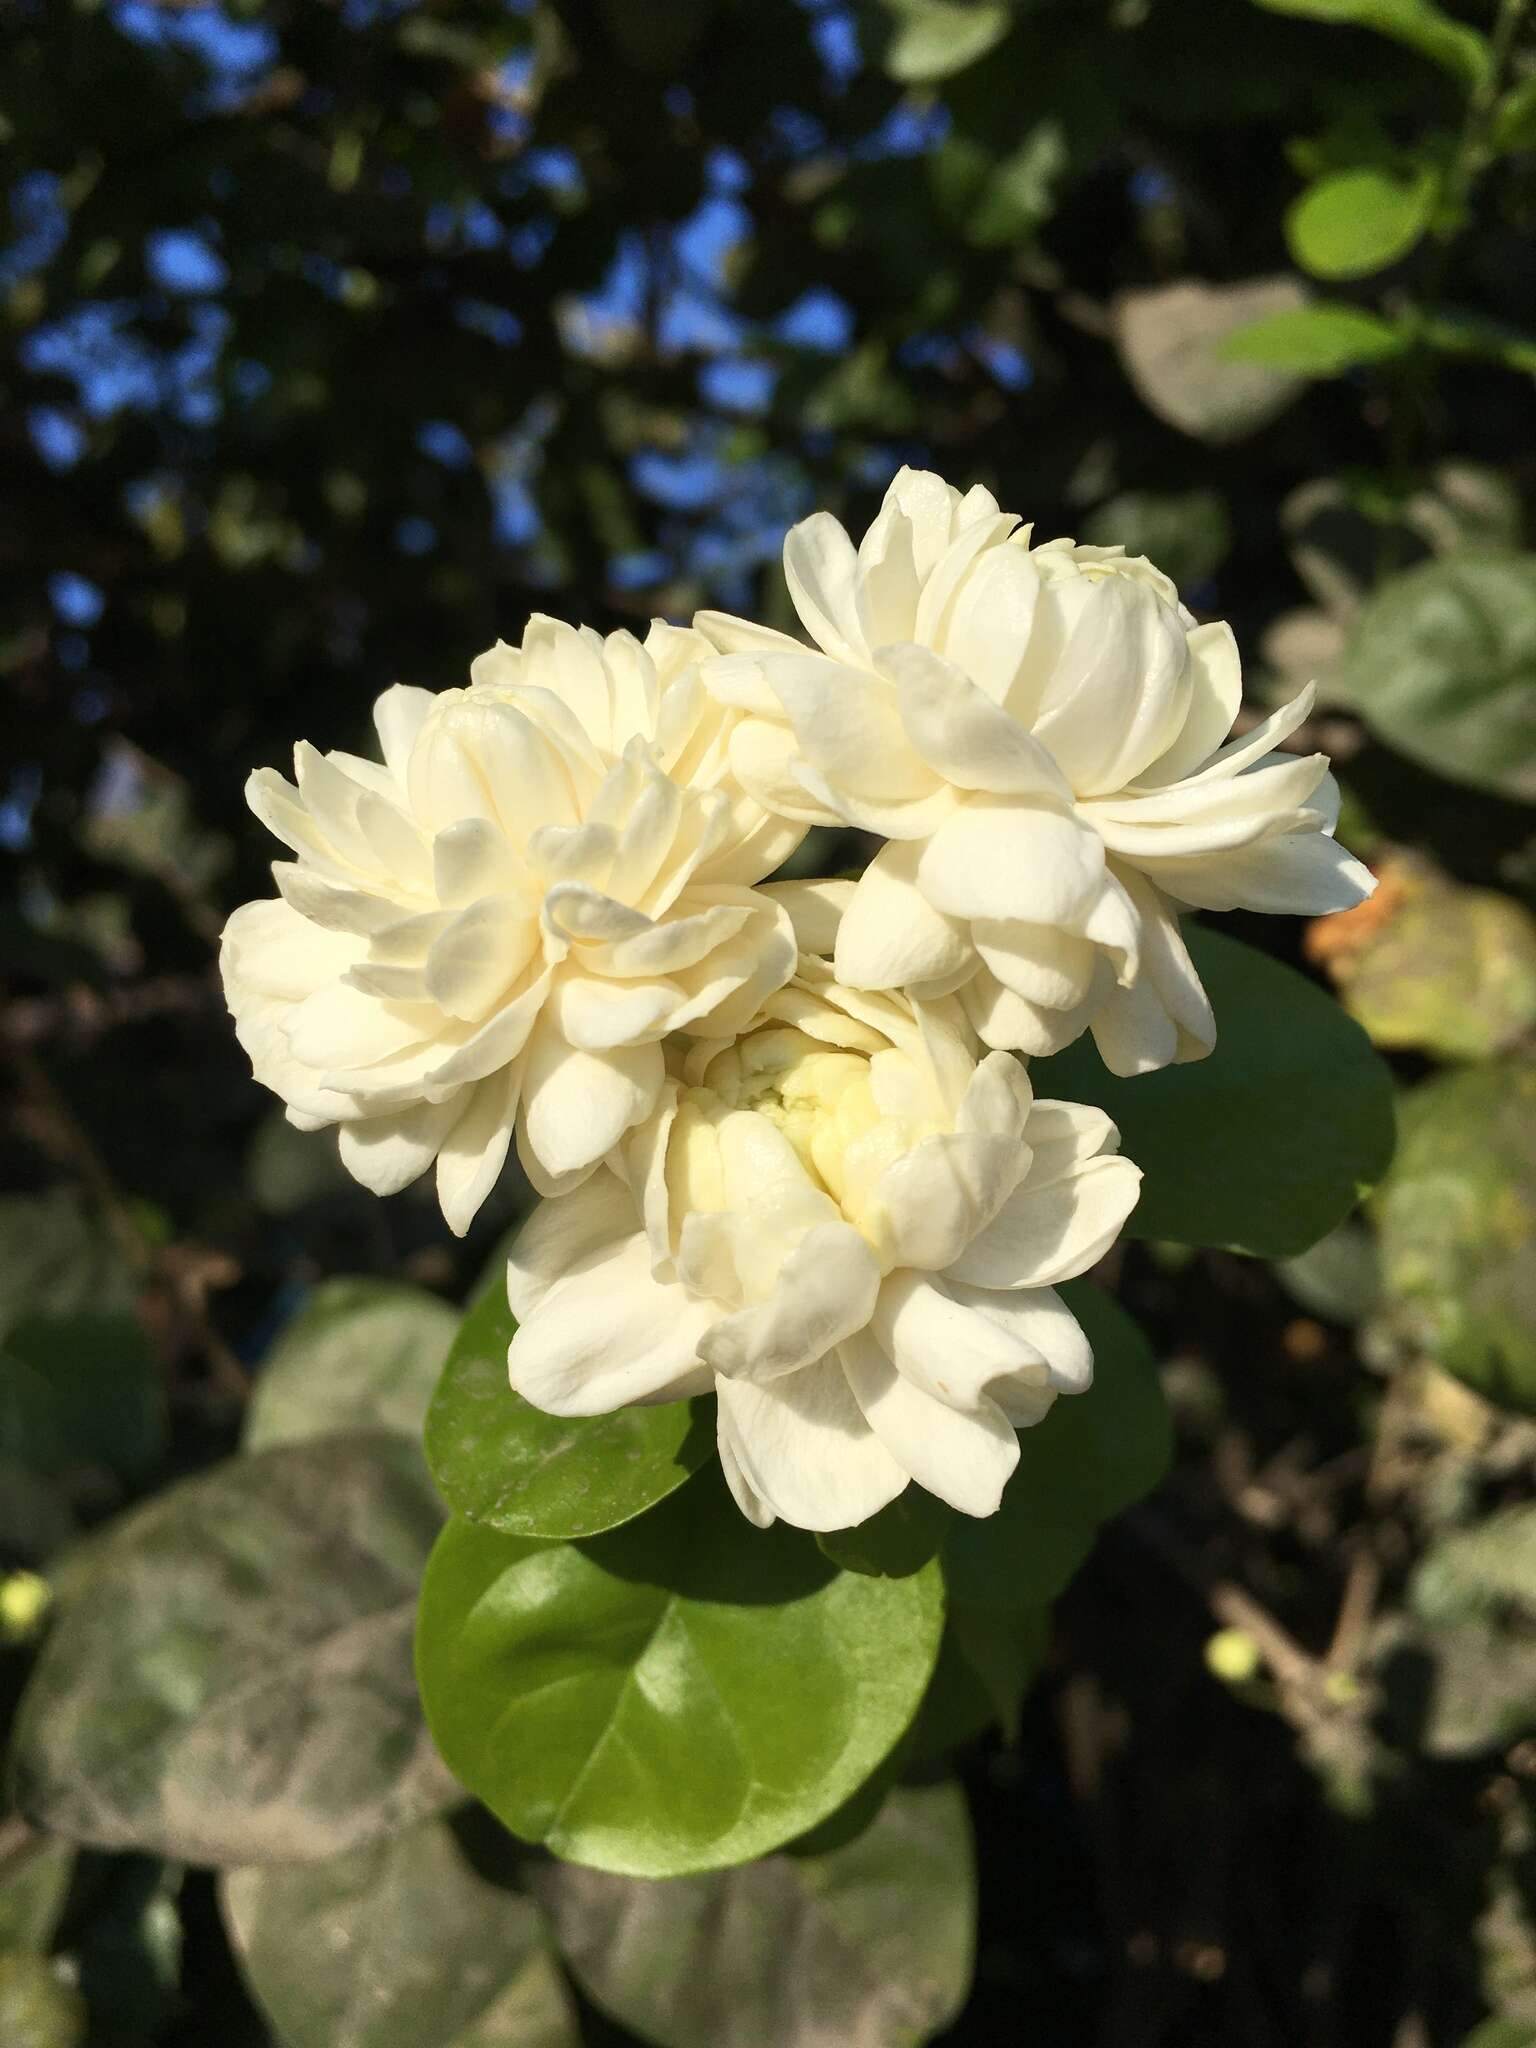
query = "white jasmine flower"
x=852 y=1232
x=1039 y=733
x=495 y=927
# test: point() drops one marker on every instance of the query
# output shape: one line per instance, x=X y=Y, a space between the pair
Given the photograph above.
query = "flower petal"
x=962 y=734
x=804 y=1449
x=826 y=1289
x=472 y=1155
x=1002 y=859
x=890 y=935
x=607 y=1335
x=578 y=1104
x=1045 y=1234
x=822 y=569
x=386 y=1153
x=963 y=1456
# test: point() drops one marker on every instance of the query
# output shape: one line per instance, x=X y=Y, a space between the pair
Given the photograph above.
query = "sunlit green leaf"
x=39 y=2008
x=1315 y=341
x=683 y=1694
x=1353 y=223
x=935 y=38
x=1417 y=23
x=499 y=1461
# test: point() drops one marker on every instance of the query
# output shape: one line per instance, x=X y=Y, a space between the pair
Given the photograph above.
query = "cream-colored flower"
x=848 y=1228
x=495 y=927
x=1039 y=732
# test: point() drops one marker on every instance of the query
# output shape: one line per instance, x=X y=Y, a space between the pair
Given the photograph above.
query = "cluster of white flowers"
x=787 y=1139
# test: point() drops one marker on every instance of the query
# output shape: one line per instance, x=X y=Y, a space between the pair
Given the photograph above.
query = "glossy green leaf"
x=1418 y=24
x=894 y=1543
x=680 y=1695
x=1442 y=665
x=870 y=1943
x=418 y=1938
x=1267 y=1144
x=232 y=1684
x=1315 y=341
x=360 y=1354
x=1354 y=223
x=1457 y=1218
x=1093 y=1455
x=987 y=1662
x=499 y=1461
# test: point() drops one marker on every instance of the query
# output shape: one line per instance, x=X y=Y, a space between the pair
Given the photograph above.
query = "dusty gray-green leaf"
x=360 y=1354
x=233 y=1684
x=1457 y=1217
x=1290 y=1118
x=500 y=1461
x=680 y=1695
x=870 y=1943
x=402 y=1942
x=1442 y=665
x=1433 y=965
x=1173 y=341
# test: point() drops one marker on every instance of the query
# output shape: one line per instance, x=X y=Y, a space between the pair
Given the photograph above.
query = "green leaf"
x=1187 y=533
x=1267 y=1144
x=232 y=1684
x=881 y=1933
x=1315 y=341
x=1457 y=1216
x=936 y=38
x=96 y=1380
x=685 y=1694
x=1354 y=223
x=1416 y=23
x=1093 y=1455
x=1499 y=2033
x=360 y=1354
x=55 y=1259
x=1175 y=341
x=418 y=1938
x=1442 y=666
x=987 y=1662
x=1514 y=127
x=894 y=1543
x=499 y=1461
x=38 y=2009
x=34 y=1884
